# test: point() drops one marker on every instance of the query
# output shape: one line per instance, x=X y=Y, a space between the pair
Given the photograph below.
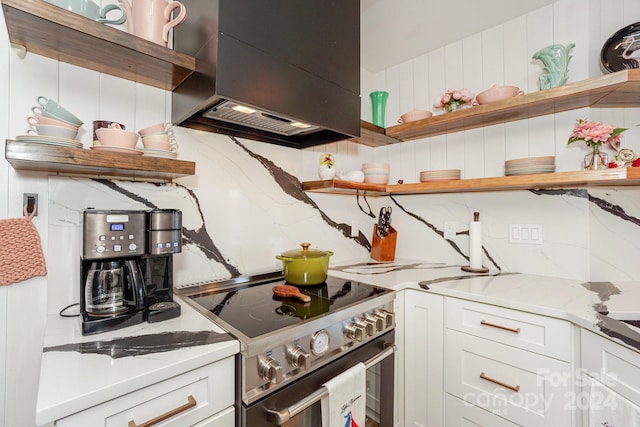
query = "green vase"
x=378 y=103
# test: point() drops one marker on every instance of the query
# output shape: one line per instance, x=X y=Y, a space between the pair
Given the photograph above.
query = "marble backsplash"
x=244 y=206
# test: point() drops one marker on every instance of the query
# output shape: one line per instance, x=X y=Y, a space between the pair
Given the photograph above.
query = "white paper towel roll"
x=475 y=245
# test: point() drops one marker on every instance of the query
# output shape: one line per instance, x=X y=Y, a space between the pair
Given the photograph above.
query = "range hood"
x=280 y=71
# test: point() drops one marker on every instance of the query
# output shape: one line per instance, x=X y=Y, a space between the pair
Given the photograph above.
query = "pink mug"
x=151 y=19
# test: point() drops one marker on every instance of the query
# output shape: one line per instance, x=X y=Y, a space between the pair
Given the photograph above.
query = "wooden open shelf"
x=78 y=161
x=373 y=136
x=616 y=90
x=578 y=179
x=56 y=33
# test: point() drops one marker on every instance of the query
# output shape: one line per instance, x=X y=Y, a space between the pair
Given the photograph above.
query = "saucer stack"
x=439 y=175
x=530 y=165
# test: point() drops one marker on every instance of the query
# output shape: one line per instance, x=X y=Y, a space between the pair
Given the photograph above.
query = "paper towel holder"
x=475 y=228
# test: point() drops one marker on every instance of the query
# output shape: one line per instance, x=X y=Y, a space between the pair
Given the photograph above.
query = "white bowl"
x=376 y=173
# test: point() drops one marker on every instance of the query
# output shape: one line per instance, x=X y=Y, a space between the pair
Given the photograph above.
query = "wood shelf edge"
x=590 y=92
x=571 y=179
x=373 y=136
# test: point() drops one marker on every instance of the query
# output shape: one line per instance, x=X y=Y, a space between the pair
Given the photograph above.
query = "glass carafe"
x=105 y=287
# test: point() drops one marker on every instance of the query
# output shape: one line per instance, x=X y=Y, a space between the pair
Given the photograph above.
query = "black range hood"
x=280 y=71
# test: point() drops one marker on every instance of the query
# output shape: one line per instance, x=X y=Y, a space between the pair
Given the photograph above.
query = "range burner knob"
x=377 y=321
x=386 y=316
x=298 y=357
x=270 y=370
x=355 y=331
x=369 y=326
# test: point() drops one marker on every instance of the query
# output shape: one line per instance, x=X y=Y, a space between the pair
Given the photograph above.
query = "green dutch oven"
x=305 y=266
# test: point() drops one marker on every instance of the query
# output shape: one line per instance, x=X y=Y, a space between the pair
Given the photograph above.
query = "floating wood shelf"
x=56 y=33
x=373 y=136
x=616 y=90
x=77 y=161
x=578 y=179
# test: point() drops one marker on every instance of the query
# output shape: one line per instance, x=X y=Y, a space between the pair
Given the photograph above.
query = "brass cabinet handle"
x=190 y=404
x=493 y=325
x=500 y=383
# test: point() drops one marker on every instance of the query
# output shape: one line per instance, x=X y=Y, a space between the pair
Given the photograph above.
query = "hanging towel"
x=21 y=255
x=347 y=401
x=609 y=409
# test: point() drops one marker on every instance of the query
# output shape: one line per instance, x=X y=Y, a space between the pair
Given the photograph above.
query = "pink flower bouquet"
x=453 y=99
x=594 y=134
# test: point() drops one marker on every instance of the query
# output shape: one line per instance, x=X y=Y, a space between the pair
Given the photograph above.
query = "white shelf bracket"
x=20 y=50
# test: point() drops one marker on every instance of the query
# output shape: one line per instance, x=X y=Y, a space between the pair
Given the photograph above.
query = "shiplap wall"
x=499 y=55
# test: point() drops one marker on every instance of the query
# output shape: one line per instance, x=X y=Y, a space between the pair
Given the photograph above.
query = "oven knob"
x=377 y=320
x=386 y=316
x=355 y=331
x=369 y=326
x=298 y=358
x=270 y=370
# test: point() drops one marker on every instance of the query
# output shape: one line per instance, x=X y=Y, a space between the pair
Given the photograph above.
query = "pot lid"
x=305 y=252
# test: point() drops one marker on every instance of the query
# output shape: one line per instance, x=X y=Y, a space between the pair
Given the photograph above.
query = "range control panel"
x=284 y=363
x=110 y=234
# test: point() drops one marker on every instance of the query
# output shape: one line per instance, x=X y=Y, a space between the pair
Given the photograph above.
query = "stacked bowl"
x=376 y=173
x=530 y=165
x=52 y=124
x=117 y=140
x=159 y=141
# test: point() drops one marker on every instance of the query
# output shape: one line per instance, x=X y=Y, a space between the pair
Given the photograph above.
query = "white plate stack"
x=530 y=165
x=439 y=175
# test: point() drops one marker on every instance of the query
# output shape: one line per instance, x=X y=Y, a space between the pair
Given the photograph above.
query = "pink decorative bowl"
x=497 y=93
x=414 y=115
x=376 y=173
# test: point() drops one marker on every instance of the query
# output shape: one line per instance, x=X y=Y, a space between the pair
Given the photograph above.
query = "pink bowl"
x=497 y=93
x=117 y=137
x=414 y=115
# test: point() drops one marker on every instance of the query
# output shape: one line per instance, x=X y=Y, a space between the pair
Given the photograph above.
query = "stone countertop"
x=78 y=371
x=578 y=302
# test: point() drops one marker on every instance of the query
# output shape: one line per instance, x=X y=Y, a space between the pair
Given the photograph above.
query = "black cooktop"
x=254 y=310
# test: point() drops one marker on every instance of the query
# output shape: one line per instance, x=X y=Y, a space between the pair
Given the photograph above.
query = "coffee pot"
x=151 y=19
x=113 y=287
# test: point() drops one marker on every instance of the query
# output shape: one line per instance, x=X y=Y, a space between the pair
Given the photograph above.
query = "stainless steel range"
x=289 y=348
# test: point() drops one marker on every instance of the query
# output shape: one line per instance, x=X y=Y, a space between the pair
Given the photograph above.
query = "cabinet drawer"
x=613 y=365
x=523 y=387
x=193 y=396
x=225 y=418
x=459 y=413
x=540 y=334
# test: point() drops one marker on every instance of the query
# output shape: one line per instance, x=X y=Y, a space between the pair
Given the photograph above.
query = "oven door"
x=298 y=404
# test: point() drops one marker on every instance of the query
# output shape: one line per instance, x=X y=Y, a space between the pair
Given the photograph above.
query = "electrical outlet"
x=529 y=234
x=30 y=200
x=449 y=230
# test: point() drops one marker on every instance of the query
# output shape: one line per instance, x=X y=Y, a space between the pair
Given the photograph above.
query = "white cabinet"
x=202 y=397
x=515 y=365
x=616 y=372
x=464 y=414
x=423 y=359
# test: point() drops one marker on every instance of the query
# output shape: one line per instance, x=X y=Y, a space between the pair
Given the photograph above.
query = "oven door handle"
x=280 y=417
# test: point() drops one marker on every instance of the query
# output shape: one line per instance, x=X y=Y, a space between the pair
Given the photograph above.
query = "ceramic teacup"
x=91 y=10
x=57 y=111
x=157 y=129
x=55 y=131
x=117 y=137
x=152 y=19
x=97 y=124
x=44 y=120
x=160 y=142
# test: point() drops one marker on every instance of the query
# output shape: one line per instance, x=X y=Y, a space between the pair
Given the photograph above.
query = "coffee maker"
x=126 y=267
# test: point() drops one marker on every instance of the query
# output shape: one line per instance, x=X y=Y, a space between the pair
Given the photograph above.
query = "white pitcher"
x=151 y=19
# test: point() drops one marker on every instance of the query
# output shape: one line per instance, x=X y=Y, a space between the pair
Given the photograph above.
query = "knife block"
x=384 y=248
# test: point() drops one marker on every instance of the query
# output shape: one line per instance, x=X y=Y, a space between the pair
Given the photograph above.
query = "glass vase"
x=379 y=104
x=596 y=160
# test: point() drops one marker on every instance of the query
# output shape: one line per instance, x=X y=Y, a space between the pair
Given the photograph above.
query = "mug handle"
x=37 y=111
x=108 y=8
x=520 y=93
x=400 y=121
x=43 y=101
x=178 y=19
x=32 y=121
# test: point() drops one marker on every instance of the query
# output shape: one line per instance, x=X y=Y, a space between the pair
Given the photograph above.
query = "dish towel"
x=21 y=255
x=609 y=409
x=347 y=401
